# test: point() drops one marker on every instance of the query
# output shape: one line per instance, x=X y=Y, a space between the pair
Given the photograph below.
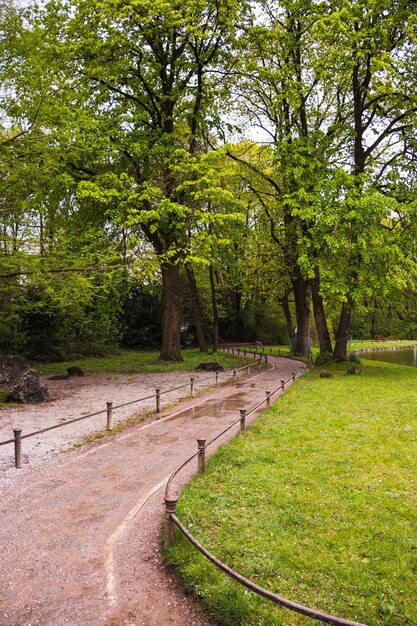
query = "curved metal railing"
x=172 y=520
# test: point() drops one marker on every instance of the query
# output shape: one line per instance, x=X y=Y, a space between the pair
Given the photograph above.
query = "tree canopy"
x=238 y=162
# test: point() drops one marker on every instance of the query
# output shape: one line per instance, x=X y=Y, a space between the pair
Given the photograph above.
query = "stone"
x=354 y=370
x=60 y=377
x=30 y=389
x=12 y=368
x=74 y=370
x=326 y=374
x=210 y=366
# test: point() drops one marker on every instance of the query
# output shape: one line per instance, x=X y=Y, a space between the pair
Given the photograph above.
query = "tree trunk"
x=340 y=349
x=302 y=312
x=171 y=312
x=215 y=311
x=290 y=327
x=198 y=312
x=319 y=315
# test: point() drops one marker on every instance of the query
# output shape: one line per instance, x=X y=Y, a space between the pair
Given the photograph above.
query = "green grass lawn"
x=143 y=362
x=316 y=502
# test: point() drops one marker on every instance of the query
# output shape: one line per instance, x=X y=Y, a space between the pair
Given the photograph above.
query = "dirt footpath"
x=80 y=534
x=79 y=396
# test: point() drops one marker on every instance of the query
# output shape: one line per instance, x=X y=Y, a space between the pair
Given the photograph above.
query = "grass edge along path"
x=317 y=502
x=133 y=362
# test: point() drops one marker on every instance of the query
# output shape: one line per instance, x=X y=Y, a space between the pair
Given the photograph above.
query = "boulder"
x=74 y=370
x=210 y=366
x=354 y=370
x=326 y=374
x=12 y=368
x=29 y=389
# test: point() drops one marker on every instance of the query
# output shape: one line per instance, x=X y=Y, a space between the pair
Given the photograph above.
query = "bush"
x=352 y=358
x=323 y=358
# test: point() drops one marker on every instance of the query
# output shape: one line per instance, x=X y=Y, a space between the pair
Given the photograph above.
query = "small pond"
x=402 y=357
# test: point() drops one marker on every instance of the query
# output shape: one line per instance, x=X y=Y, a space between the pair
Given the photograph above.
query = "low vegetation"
x=143 y=362
x=316 y=502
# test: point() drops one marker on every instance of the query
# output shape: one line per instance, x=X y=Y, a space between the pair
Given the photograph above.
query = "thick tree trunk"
x=197 y=308
x=319 y=315
x=340 y=349
x=215 y=311
x=290 y=327
x=171 y=312
x=302 y=312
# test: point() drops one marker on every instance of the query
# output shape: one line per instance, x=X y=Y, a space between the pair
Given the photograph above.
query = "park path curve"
x=80 y=536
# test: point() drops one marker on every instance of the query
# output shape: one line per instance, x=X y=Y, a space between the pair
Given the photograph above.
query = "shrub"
x=352 y=358
x=323 y=358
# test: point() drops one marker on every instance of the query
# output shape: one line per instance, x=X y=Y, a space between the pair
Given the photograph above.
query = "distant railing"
x=17 y=432
x=172 y=520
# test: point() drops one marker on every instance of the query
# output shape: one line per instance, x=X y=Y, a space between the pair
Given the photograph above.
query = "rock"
x=12 y=368
x=355 y=370
x=326 y=374
x=60 y=377
x=74 y=370
x=210 y=366
x=30 y=389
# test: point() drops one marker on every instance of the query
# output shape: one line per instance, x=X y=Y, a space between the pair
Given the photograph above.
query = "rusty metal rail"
x=273 y=597
x=18 y=437
x=172 y=520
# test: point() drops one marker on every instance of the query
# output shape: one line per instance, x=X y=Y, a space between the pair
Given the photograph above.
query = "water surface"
x=401 y=357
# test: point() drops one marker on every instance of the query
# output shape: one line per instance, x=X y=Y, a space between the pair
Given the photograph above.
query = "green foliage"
x=141 y=318
x=352 y=358
x=323 y=358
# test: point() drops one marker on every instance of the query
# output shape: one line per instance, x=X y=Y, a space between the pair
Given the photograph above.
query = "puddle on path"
x=218 y=408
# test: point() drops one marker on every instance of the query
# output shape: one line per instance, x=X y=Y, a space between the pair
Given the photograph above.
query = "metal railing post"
x=242 y=420
x=248 y=369
x=293 y=375
x=201 y=443
x=170 y=507
x=283 y=384
x=109 y=415
x=158 y=399
x=192 y=386
x=217 y=379
x=17 y=447
x=234 y=373
x=266 y=358
x=268 y=399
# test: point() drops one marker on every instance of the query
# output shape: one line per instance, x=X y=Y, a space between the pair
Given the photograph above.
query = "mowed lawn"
x=316 y=502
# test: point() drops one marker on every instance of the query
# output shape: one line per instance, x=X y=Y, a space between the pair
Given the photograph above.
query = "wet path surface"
x=80 y=537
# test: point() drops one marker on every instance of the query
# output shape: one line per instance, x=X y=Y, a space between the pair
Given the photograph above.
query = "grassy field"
x=142 y=362
x=316 y=502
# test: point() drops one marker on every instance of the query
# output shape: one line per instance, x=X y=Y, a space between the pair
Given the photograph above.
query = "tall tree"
x=288 y=93
x=373 y=46
x=130 y=90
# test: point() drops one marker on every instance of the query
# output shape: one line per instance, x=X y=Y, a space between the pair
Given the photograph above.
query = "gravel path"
x=78 y=397
x=80 y=533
